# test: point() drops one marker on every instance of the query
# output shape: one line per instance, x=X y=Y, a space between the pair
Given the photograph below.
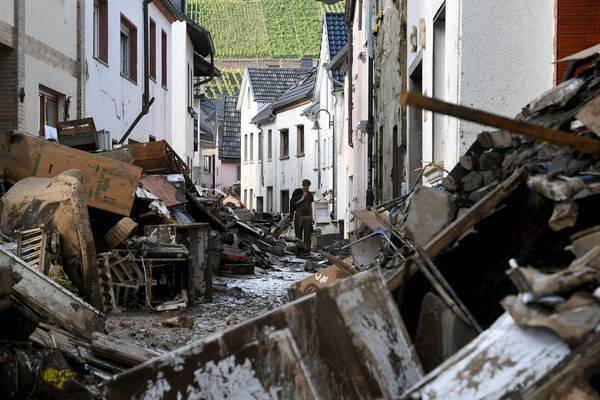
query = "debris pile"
x=494 y=272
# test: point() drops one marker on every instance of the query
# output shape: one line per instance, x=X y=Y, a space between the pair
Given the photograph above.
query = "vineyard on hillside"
x=228 y=84
x=262 y=28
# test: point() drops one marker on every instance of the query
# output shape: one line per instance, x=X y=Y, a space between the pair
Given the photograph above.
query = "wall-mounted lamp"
x=22 y=94
x=67 y=106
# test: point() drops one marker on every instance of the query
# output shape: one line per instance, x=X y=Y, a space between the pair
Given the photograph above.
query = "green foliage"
x=228 y=83
x=238 y=27
x=263 y=28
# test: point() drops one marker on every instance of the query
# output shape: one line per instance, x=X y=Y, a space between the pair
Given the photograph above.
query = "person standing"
x=302 y=212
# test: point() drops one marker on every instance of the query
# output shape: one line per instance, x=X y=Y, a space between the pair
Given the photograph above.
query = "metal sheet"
x=160 y=186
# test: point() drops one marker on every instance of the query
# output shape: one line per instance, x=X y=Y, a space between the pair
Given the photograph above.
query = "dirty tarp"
x=346 y=341
x=59 y=204
x=109 y=185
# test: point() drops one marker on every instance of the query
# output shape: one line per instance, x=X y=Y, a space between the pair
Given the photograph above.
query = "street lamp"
x=317 y=127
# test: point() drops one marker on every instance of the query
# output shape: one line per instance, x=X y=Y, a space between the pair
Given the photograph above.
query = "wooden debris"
x=584 y=144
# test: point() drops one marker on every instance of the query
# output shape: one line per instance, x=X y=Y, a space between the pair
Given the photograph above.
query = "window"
x=316 y=155
x=190 y=93
x=260 y=147
x=245 y=196
x=163 y=55
x=251 y=199
x=285 y=201
x=208 y=164
x=238 y=172
x=128 y=49
x=251 y=147
x=259 y=204
x=270 y=145
x=152 y=34
x=300 y=140
x=48 y=110
x=245 y=148
x=284 y=142
x=101 y=30
x=269 y=198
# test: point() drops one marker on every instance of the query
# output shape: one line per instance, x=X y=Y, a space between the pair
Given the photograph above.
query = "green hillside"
x=262 y=28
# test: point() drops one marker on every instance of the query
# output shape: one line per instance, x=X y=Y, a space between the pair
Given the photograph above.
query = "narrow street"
x=299 y=199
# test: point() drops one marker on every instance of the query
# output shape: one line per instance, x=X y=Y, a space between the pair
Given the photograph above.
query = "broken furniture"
x=31 y=248
x=81 y=134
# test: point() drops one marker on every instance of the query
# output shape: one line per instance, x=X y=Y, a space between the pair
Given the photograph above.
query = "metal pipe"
x=146 y=101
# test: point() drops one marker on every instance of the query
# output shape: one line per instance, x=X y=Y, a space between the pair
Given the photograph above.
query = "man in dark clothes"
x=301 y=210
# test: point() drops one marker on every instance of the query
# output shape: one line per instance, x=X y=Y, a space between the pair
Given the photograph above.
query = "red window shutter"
x=152 y=49
x=103 y=28
x=133 y=53
x=164 y=59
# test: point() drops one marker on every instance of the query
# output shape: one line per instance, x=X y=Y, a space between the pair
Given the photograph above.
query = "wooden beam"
x=584 y=144
x=453 y=231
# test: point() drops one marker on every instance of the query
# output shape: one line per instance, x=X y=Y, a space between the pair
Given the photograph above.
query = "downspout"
x=349 y=102
x=146 y=100
x=370 y=130
x=334 y=172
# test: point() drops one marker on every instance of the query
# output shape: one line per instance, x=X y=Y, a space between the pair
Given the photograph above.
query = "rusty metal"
x=345 y=341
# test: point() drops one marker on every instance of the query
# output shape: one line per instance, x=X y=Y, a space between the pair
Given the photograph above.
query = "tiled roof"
x=337 y=37
x=207 y=129
x=229 y=136
x=303 y=89
x=265 y=114
x=268 y=84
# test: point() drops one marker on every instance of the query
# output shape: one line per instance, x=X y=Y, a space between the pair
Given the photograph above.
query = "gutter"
x=146 y=101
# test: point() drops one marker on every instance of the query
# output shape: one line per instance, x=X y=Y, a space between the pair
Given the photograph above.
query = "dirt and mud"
x=236 y=299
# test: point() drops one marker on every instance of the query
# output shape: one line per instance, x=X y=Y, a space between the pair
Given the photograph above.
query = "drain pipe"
x=146 y=100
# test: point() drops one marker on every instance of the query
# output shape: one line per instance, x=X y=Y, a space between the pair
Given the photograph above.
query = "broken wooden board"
x=449 y=234
x=119 y=351
x=324 y=278
x=584 y=144
x=369 y=218
x=589 y=115
x=346 y=341
x=509 y=361
x=53 y=303
x=157 y=156
x=109 y=185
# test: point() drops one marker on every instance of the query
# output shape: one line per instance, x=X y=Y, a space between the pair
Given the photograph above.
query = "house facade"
x=328 y=102
x=41 y=75
x=266 y=141
x=227 y=131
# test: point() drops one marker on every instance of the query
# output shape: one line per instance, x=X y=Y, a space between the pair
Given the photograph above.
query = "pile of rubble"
x=494 y=272
x=87 y=232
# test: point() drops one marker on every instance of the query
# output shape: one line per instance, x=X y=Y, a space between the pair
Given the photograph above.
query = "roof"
x=303 y=89
x=207 y=129
x=170 y=11
x=269 y=84
x=228 y=117
x=310 y=110
x=337 y=38
x=265 y=114
x=201 y=38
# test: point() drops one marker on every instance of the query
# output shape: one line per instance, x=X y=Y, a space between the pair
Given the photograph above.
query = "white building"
x=329 y=97
x=269 y=164
x=116 y=76
x=41 y=79
x=493 y=55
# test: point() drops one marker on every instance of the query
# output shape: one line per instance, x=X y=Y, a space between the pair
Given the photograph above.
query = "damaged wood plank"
x=336 y=261
x=126 y=354
x=53 y=303
x=584 y=144
x=462 y=224
x=109 y=185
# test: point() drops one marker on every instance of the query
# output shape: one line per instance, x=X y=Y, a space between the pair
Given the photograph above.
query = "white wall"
x=7 y=11
x=183 y=122
x=54 y=24
x=250 y=177
x=114 y=101
x=498 y=57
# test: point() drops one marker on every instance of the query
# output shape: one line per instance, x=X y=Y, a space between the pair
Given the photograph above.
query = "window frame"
x=269 y=145
x=284 y=144
x=100 y=31
x=152 y=44
x=300 y=141
x=130 y=31
x=164 y=57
